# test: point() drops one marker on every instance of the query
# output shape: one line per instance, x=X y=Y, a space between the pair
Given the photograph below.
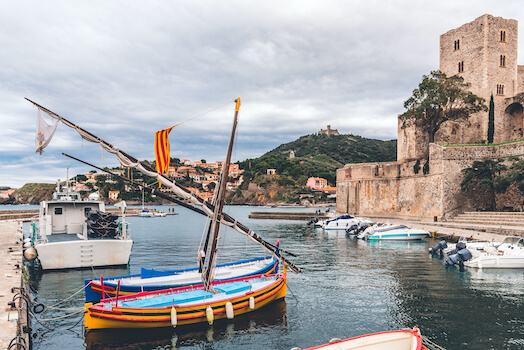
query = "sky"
x=125 y=69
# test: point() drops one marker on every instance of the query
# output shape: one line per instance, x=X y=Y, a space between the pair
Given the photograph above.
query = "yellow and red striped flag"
x=162 y=151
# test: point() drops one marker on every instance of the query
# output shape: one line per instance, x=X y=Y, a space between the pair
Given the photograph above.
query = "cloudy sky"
x=124 y=69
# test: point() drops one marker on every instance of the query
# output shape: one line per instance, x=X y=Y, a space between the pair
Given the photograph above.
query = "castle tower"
x=484 y=53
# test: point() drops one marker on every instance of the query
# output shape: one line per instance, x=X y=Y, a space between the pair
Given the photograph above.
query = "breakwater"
x=273 y=215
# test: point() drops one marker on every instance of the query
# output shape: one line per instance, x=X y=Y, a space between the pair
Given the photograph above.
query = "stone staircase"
x=505 y=223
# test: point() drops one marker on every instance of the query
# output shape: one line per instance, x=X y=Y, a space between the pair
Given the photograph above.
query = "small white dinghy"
x=407 y=339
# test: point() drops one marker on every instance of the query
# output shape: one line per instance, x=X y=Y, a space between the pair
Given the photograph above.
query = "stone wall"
x=394 y=189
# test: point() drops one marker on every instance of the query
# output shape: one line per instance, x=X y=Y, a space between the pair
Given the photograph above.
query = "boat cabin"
x=66 y=213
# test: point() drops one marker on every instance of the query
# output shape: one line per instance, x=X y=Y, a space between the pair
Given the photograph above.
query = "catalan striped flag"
x=162 y=151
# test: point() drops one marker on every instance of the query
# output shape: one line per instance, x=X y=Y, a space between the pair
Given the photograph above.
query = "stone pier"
x=11 y=261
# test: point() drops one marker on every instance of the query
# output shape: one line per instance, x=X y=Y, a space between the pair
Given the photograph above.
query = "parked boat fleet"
x=507 y=254
x=367 y=229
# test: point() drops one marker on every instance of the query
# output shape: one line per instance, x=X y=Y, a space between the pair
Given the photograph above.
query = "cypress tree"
x=491 y=120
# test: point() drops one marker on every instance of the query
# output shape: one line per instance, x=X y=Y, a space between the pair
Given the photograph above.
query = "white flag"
x=44 y=133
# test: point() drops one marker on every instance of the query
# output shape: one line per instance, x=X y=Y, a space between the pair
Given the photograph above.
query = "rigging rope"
x=150 y=134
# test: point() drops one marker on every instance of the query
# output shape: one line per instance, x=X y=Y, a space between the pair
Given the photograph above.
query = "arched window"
x=457 y=45
x=503 y=36
x=461 y=66
x=502 y=61
x=500 y=89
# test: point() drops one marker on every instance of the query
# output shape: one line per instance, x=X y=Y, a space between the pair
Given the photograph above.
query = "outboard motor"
x=312 y=222
x=439 y=247
x=368 y=231
x=460 y=245
x=352 y=230
x=460 y=257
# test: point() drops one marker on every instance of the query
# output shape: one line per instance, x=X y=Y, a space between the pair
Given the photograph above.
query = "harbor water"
x=348 y=287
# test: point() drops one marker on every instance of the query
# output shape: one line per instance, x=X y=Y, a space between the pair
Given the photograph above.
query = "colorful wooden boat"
x=186 y=305
x=151 y=280
x=406 y=339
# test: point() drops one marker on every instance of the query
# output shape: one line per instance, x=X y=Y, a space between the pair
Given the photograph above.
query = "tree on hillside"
x=439 y=99
x=483 y=179
x=491 y=120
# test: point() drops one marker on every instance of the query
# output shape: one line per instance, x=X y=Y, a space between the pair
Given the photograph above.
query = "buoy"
x=209 y=315
x=173 y=317
x=30 y=254
x=229 y=310
x=252 y=303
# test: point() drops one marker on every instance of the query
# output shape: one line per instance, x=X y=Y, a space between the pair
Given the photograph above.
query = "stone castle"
x=328 y=131
x=484 y=52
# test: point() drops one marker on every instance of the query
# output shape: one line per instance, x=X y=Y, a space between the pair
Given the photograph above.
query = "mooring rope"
x=58 y=317
x=431 y=345
x=66 y=299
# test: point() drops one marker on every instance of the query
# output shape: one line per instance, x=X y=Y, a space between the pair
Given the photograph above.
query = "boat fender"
x=30 y=254
x=230 y=313
x=27 y=245
x=252 y=303
x=439 y=247
x=173 y=317
x=209 y=315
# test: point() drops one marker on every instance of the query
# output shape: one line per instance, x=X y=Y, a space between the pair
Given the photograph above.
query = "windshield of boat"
x=511 y=240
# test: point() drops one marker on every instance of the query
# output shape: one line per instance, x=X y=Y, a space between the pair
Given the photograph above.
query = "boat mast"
x=180 y=191
x=208 y=270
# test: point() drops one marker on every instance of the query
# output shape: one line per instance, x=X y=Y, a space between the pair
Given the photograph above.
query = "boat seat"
x=234 y=287
x=172 y=299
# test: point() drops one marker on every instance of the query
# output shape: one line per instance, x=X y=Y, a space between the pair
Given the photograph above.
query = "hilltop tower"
x=484 y=53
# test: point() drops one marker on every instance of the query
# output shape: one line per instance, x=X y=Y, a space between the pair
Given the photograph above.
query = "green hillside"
x=320 y=156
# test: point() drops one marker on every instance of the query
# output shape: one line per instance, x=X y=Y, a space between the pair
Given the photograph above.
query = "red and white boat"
x=406 y=339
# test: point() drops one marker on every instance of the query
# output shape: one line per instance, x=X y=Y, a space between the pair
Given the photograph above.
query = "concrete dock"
x=11 y=245
x=287 y=215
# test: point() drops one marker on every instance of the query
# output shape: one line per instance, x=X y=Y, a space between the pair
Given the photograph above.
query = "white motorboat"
x=508 y=255
x=76 y=233
x=159 y=214
x=393 y=233
x=481 y=246
x=343 y=222
x=145 y=213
